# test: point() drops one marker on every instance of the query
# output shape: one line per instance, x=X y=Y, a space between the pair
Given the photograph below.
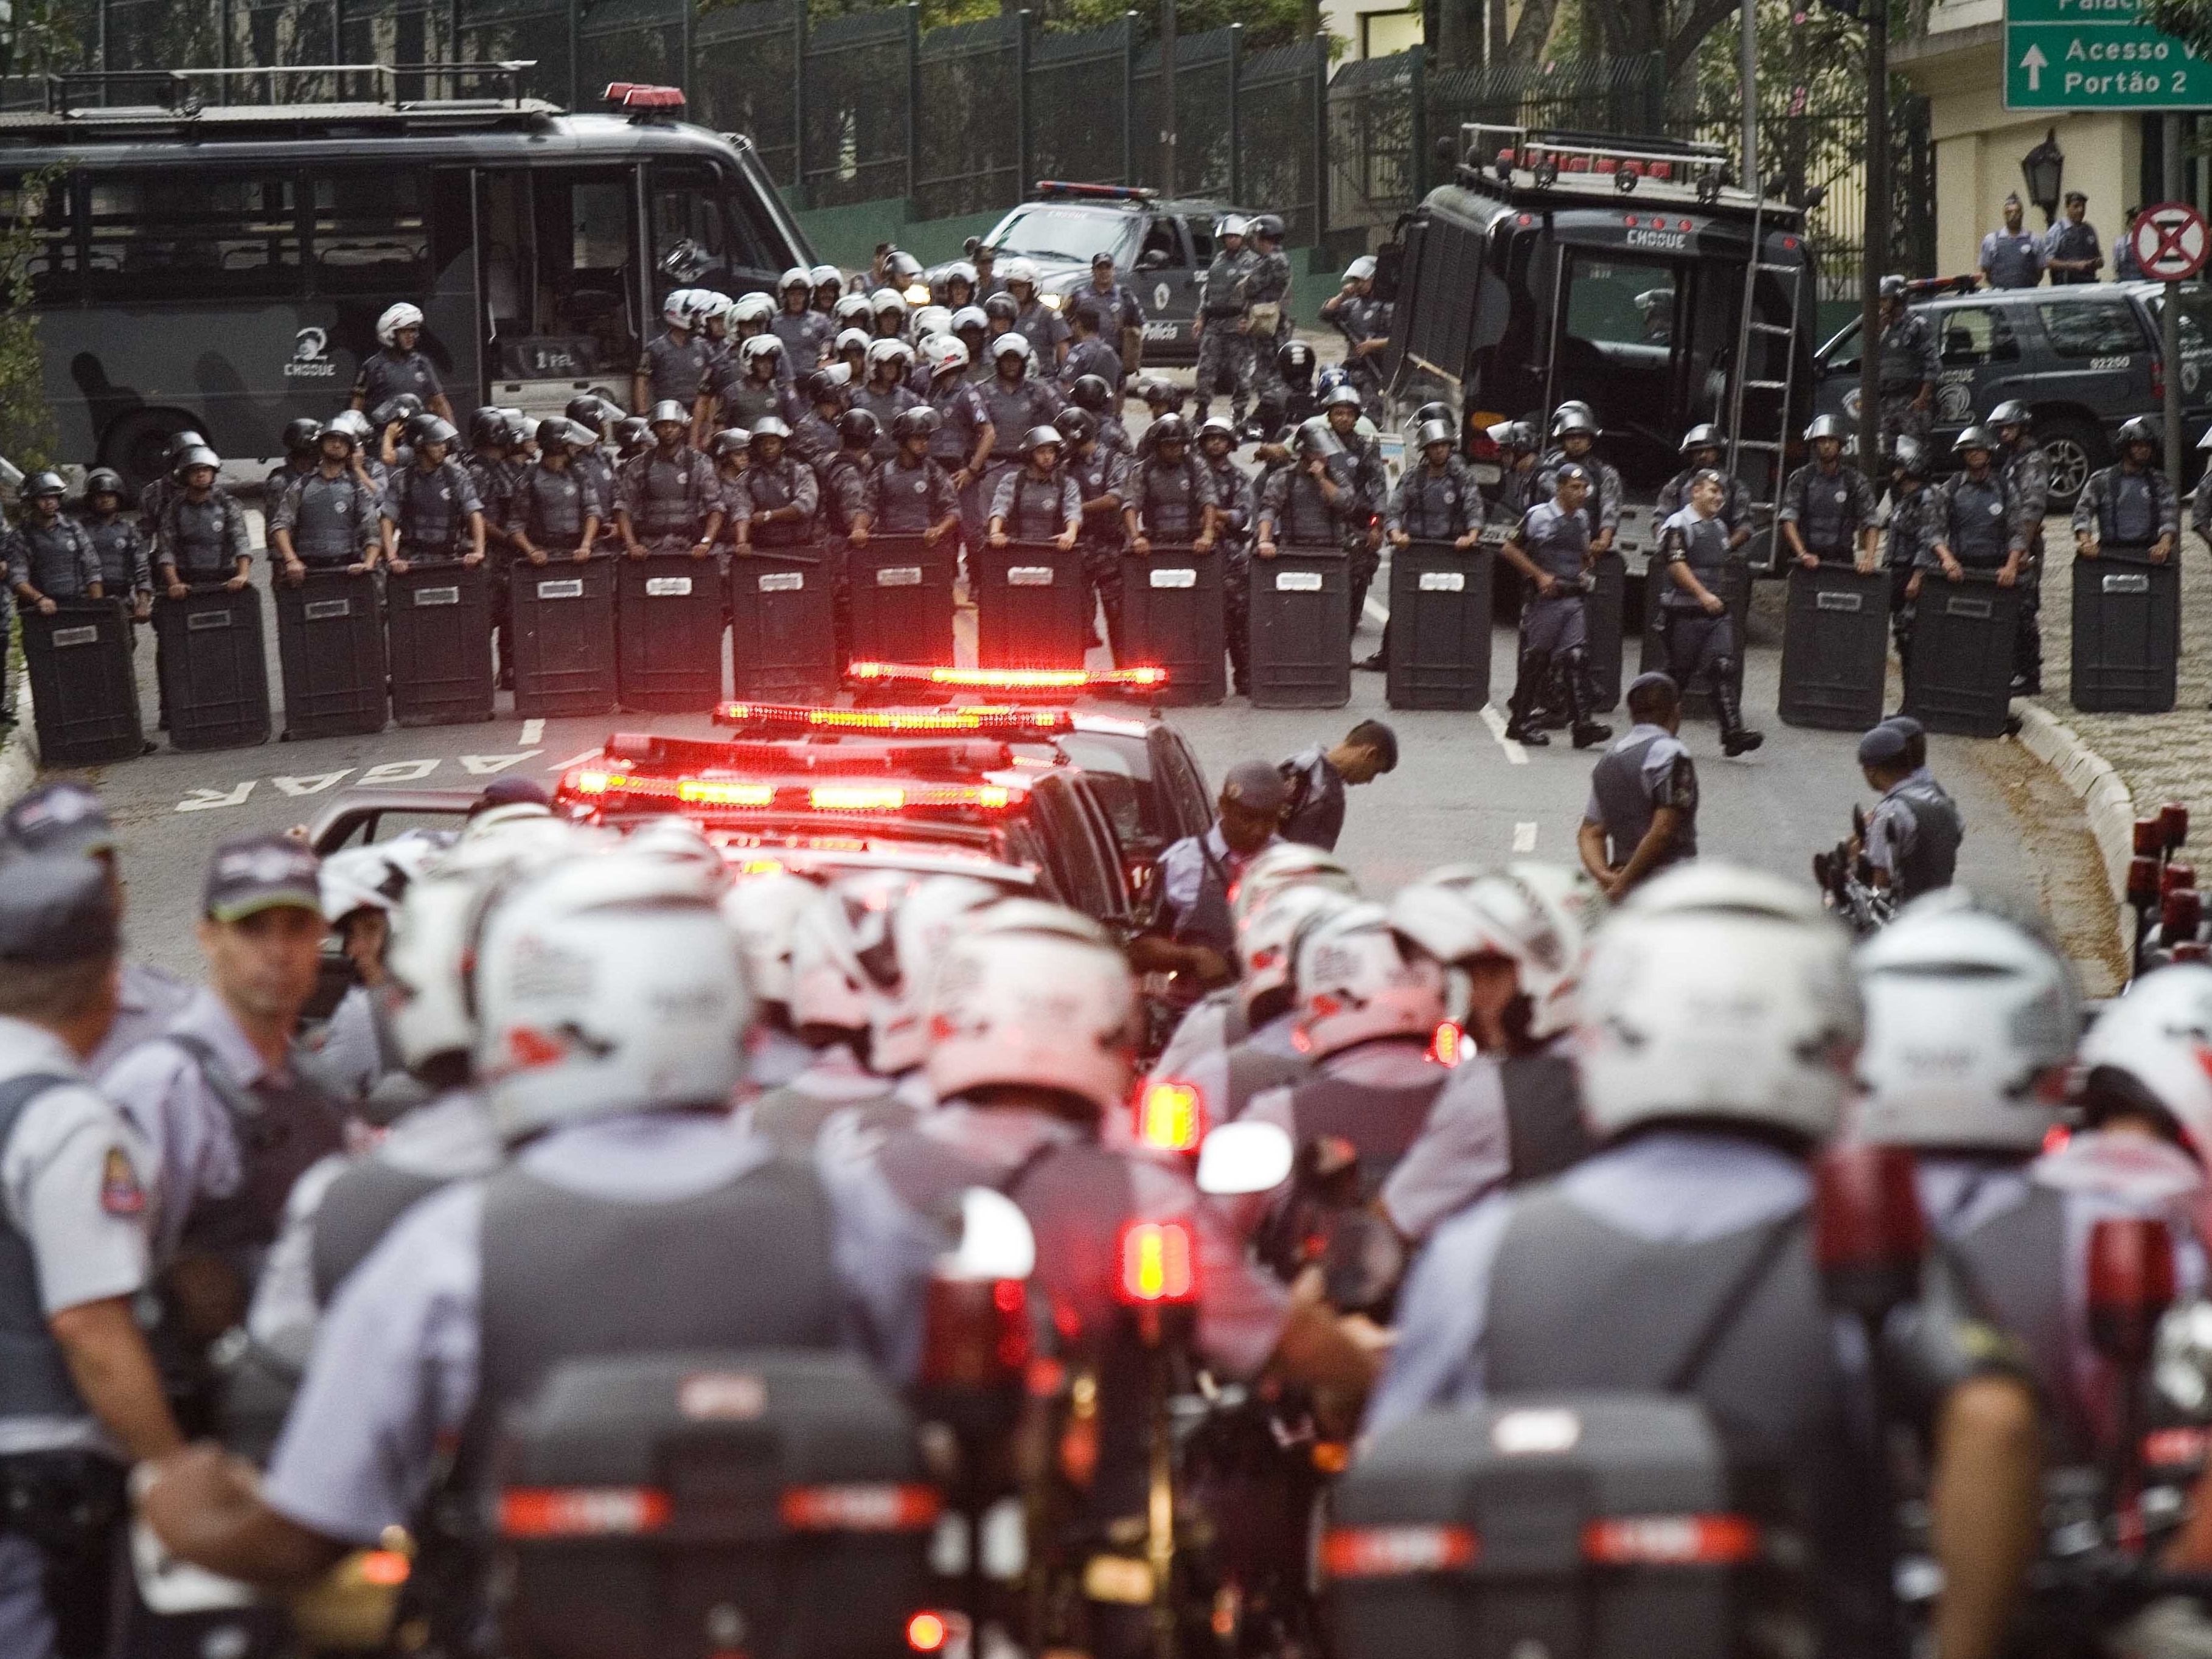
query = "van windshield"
x=1050 y=233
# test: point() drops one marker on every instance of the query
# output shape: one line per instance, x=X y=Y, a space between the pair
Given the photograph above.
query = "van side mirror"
x=1238 y=1159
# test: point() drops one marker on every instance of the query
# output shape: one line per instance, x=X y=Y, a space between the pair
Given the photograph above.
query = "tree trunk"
x=1532 y=34
x=1459 y=34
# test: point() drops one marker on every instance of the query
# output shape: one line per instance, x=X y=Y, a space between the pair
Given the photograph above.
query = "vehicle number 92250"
x=2123 y=361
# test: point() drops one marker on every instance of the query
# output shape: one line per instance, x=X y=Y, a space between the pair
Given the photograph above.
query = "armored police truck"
x=1630 y=273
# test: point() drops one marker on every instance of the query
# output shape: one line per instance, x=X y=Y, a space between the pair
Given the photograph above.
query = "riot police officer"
x=1197 y=934
x=1518 y=452
x=1101 y=483
x=1643 y=811
x=81 y=1392
x=814 y=434
x=1703 y=1185
x=492 y=470
x=1974 y=524
x=1225 y=346
x=910 y=495
x=1575 y=433
x=1698 y=628
x=124 y=565
x=1234 y=505
x=1037 y=501
x=1269 y=292
x=431 y=510
x=781 y=497
x=1552 y=548
x=1913 y=833
x=201 y=535
x=1317 y=502
x=1437 y=501
x=2026 y=472
x=664 y=499
x=328 y=520
x=1364 y=321
x=1909 y=364
x=1294 y=370
x=1704 y=447
x=1907 y=520
x=299 y=451
x=2130 y=508
x=397 y=368
x=673 y=361
x=1170 y=493
x=49 y=555
x=844 y=476
x=556 y=507
x=1827 y=508
x=1513 y=942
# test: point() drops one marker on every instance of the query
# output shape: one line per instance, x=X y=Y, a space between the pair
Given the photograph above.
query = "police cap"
x=1567 y=469
x=55 y=911
x=1883 y=746
x=63 y=820
x=1256 y=786
x=255 y=872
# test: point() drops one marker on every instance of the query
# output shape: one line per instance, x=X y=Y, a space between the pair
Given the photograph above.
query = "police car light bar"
x=641 y=95
x=899 y=798
x=1001 y=722
x=596 y=786
x=1097 y=192
x=1008 y=679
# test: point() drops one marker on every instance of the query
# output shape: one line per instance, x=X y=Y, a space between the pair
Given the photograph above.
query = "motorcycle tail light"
x=2130 y=1285
x=928 y=1633
x=1671 y=1540
x=581 y=1512
x=1868 y=1230
x=975 y=1333
x=1397 y=1551
x=1449 y=1045
x=1159 y=1264
x=1170 y=1117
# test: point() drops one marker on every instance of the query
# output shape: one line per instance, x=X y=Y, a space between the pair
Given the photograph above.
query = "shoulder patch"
x=120 y=1194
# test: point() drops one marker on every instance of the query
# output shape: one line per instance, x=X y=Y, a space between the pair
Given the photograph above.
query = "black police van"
x=1160 y=248
x=1631 y=273
x=2083 y=357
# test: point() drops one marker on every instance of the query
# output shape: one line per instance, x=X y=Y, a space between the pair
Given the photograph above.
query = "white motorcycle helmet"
x=970 y=317
x=1035 y=996
x=932 y=319
x=885 y=352
x=753 y=307
x=711 y=306
x=1537 y=916
x=371 y=877
x=396 y=318
x=678 y=838
x=761 y=348
x=762 y=910
x=2153 y=1046
x=607 y=985
x=843 y=957
x=1718 y=992
x=887 y=300
x=854 y=338
x=923 y=925
x=1359 y=980
x=944 y=353
x=1971 y=1021
x=1288 y=864
x=1018 y=270
x=676 y=308
x=822 y=274
x=1267 y=940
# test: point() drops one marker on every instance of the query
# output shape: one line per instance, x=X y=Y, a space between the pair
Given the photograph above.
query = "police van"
x=1633 y=274
x=213 y=261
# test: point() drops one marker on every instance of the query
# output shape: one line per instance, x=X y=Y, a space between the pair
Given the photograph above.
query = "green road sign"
x=2093 y=54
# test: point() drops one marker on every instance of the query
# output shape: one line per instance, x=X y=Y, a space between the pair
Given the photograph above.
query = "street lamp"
x=2043 y=167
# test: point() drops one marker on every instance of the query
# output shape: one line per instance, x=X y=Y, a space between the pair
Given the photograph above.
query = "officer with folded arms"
x=80 y=1395
x=327 y=520
x=1913 y=833
x=1643 y=811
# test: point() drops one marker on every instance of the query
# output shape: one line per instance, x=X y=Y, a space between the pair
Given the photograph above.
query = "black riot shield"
x=2127 y=632
x=1960 y=678
x=1172 y=617
x=1603 y=609
x=1735 y=587
x=668 y=630
x=214 y=668
x=563 y=614
x=84 y=694
x=783 y=624
x=329 y=641
x=1439 y=627
x=1835 y=648
x=901 y=599
x=1032 y=606
x=437 y=634
x=1301 y=621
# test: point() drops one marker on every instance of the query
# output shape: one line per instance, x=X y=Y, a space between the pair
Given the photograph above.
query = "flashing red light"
x=1524 y=219
x=581 y=1512
x=1671 y=1540
x=2174 y=825
x=1449 y=1045
x=634 y=95
x=1397 y=1551
x=2131 y=1286
x=886 y=1508
x=1868 y=1232
x=767 y=716
x=900 y=796
x=1170 y=1117
x=1008 y=679
x=2142 y=882
x=2148 y=837
x=925 y=1633
x=1159 y=1265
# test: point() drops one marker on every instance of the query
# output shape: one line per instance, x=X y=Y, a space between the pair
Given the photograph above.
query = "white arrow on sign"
x=2035 y=62
x=203 y=799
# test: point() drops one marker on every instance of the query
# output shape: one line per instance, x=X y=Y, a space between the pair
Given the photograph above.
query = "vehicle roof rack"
x=188 y=95
x=1544 y=158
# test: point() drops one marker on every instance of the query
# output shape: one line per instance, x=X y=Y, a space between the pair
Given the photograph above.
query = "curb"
x=19 y=756
x=2110 y=808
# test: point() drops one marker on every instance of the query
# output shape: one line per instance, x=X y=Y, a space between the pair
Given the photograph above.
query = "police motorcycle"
x=1845 y=878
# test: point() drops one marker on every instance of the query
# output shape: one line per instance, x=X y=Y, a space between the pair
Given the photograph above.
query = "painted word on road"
x=390 y=774
x=2094 y=54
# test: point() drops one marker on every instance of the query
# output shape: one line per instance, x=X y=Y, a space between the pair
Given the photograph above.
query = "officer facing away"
x=1643 y=811
x=1908 y=367
x=80 y=1396
x=1913 y=833
x=1317 y=778
x=1703 y=1186
x=1195 y=934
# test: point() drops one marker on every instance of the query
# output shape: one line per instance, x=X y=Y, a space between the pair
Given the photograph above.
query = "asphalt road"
x=1459 y=793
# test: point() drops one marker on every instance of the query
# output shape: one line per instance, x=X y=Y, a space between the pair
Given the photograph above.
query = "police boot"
x=1580 y=702
x=1550 y=713
x=1728 y=702
x=1534 y=666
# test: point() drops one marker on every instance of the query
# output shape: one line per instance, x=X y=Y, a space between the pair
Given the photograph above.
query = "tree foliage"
x=2188 y=20
x=27 y=420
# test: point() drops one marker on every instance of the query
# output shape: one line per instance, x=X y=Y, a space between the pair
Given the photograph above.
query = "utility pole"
x=2176 y=190
x=1747 y=46
x=1876 y=254
x=1167 y=97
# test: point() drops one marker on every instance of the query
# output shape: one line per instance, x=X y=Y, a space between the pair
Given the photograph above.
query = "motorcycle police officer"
x=1643 y=811
x=1016 y=401
x=803 y=331
x=49 y=557
x=1703 y=1186
x=397 y=368
x=556 y=507
x=80 y=1396
x=1913 y=833
x=1910 y=363
x=672 y=363
x=1225 y=346
x=329 y=519
x=201 y=535
x=1551 y=547
x=431 y=510
x=1827 y=508
x=1700 y=631
x=666 y=500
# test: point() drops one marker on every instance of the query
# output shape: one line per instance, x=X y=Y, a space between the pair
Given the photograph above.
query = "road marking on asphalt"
x=1524 y=837
x=406 y=771
x=1377 y=614
x=532 y=731
x=1496 y=721
x=481 y=766
x=577 y=759
x=202 y=800
x=313 y=784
